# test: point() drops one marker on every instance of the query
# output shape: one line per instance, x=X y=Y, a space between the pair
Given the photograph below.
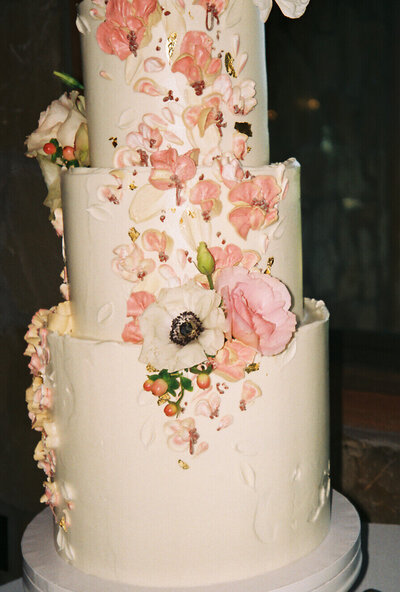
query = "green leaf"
x=68 y=80
x=172 y=383
x=186 y=383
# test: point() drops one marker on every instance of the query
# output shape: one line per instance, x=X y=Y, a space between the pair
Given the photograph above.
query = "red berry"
x=203 y=381
x=147 y=384
x=159 y=387
x=171 y=409
x=49 y=148
x=68 y=153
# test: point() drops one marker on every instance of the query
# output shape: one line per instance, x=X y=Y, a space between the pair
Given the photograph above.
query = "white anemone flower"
x=182 y=328
x=290 y=8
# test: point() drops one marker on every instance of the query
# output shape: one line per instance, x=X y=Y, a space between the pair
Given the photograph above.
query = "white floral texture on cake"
x=39 y=398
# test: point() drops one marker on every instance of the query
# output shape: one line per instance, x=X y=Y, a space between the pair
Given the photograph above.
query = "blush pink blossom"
x=124 y=27
x=172 y=170
x=195 y=60
x=229 y=170
x=228 y=256
x=257 y=308
x=137 y=303
x=146 y=137
x=131 y=264
x=208 y=406
x=206 y=194
x=155 y=240
x=181 y=434
x=255 y=202
x=231 y=361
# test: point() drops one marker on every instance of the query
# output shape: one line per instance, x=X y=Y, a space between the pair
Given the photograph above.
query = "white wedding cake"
x=181 y=389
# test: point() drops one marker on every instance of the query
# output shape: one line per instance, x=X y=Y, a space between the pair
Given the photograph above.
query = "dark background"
x=334 y=104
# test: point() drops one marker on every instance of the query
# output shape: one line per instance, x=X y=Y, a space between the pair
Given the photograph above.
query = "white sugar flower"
x=290 y=8
x=184 y=326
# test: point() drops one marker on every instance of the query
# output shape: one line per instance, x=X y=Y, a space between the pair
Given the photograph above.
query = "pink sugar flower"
x=137 y=303
x=172 y=170
x=257 y=308
x=125 y=26
x=228 y=256
x=146 y=137
x=209 y=406
x=231 y=361
x=229 y=170
x=255 y=202
x=154 y=240
x=206 y=194
x=181 y=434
x=195 y=60
x=131 y=264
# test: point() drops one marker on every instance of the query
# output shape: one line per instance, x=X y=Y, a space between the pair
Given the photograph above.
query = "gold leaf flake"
x=132 y=186
x=163 y=399
x=182 y=464
x=229 y=65
x=133 y=234
x=62 y=524
x=114 y=141
x=171 y=43
x=151 y=368
x=252 y=367
x=191 y=214
x=270 y=263
x=244 y=128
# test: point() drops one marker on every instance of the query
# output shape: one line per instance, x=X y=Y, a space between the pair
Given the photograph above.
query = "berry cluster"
x=61 y=156
x=170 y=387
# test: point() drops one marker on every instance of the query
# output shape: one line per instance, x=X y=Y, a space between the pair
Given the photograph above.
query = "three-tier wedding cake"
x=181 y=388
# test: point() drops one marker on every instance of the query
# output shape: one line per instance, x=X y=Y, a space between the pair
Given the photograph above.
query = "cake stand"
x=332 y=567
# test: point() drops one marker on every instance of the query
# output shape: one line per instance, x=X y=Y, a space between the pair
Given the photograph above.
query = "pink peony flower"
x=195 y=61
x=232 y=359
x=125 y=26
x=257 y=308
x=137 y=303
x=256 y=201
x=172 y=170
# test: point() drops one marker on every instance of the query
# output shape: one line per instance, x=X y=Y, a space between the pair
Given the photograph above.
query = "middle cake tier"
x=139 y=230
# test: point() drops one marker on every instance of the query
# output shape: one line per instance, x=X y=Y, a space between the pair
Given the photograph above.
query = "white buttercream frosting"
x=263 y=478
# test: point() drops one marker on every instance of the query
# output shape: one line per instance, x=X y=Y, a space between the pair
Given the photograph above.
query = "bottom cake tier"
x=236 y=486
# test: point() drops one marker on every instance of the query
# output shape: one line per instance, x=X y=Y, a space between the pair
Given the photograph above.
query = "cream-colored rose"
x=61 y=120
x=60 y=319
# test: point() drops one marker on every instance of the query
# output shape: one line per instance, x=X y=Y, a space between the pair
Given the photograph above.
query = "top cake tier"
x=181 y=74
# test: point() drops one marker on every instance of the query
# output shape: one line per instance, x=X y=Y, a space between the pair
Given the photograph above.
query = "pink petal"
x=138 y=302
x=246 y=218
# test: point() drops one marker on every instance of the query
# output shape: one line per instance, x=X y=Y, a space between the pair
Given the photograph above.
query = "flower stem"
x=210 y=281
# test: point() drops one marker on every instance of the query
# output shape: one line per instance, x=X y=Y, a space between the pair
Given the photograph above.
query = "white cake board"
x=332 y=567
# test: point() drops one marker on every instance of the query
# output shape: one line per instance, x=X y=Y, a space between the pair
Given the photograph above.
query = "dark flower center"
x=185 y=328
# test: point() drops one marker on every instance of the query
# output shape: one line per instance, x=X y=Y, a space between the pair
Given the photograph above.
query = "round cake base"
x=332 y=567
